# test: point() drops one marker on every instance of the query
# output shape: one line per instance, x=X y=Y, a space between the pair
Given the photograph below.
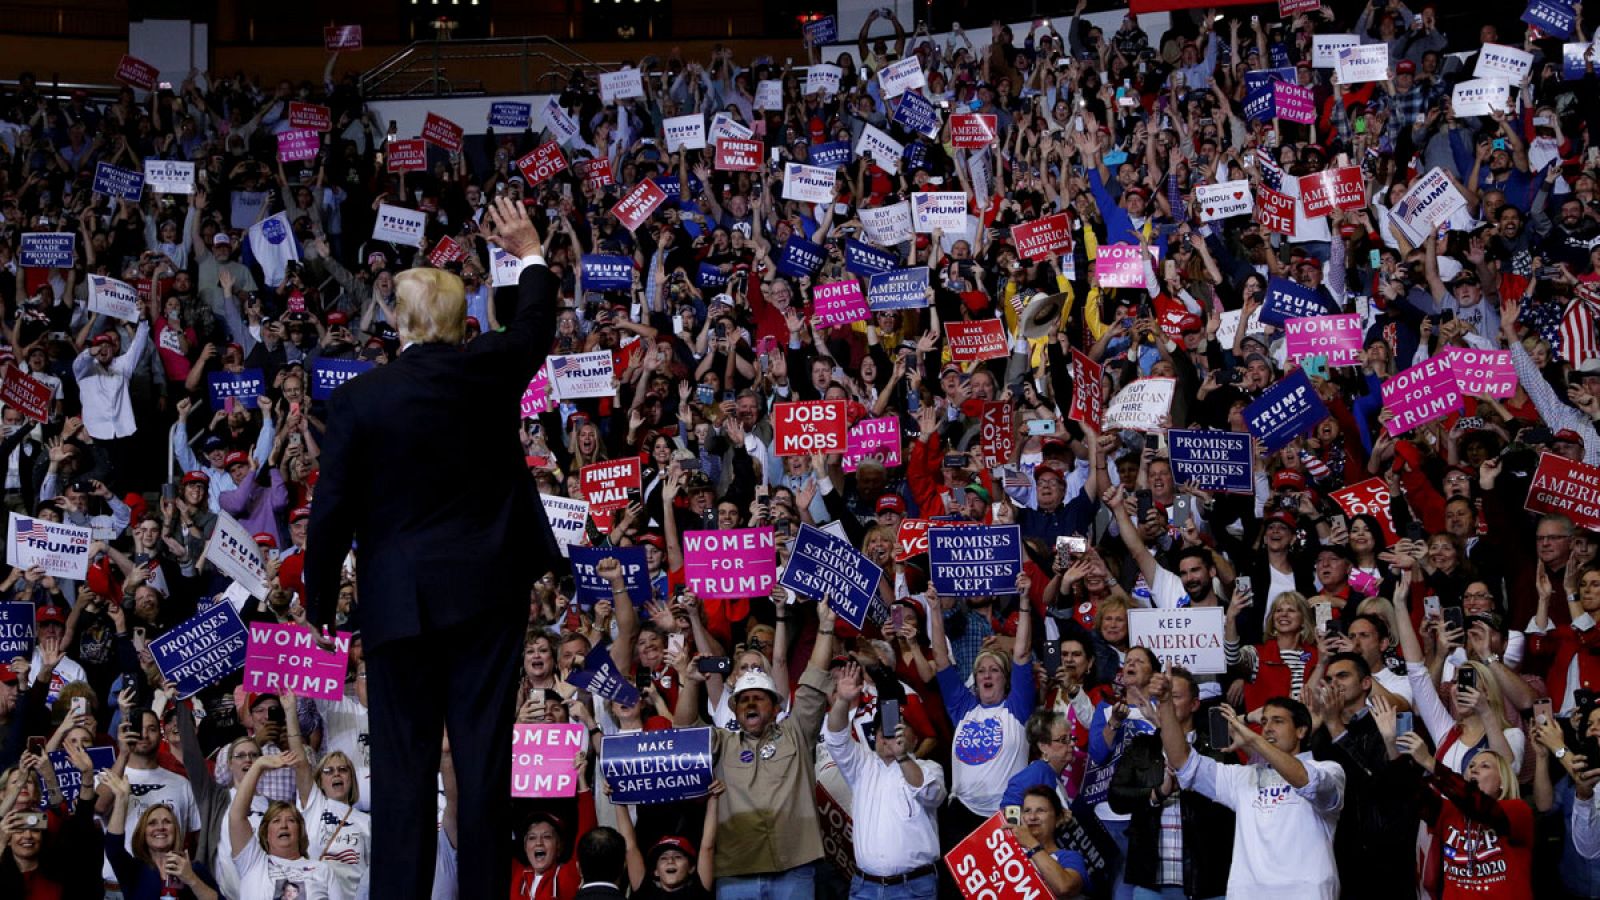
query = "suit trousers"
x=463 y=678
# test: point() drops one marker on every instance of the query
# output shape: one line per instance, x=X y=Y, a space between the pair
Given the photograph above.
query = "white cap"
x=756 y=681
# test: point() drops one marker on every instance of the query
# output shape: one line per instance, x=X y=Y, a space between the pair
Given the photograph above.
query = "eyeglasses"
x=1477 y=595
x=243 y=755
x=1552 y=537
x=336 y=770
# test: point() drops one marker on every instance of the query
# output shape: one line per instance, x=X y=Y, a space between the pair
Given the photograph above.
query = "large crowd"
x=1405 y=695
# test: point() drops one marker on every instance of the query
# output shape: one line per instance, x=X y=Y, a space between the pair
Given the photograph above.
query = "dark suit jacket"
x=423 y=468
x=599 y=892
x=27 y=464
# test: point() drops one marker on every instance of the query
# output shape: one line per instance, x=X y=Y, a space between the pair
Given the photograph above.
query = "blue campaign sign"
x=901 y=289
x=204 y=649
x=824 y=567
x=67 y=774
x=607 y=273
x=1287 y=410
x=593 y=587
x=1258 y=104
x=915 y=155
x=1573 y=64
x=124 y=184
x=657 y=766
x=246 y=384
x=1553 y=17
x=48 y=250
x=1212 y=460
x=917 y=113
x=711 y=276
x=800 y=257
x=1287 y=300
x=510 y=115
x=822 y=31
x=328 y=374
x=16 y=630
x=1279 y=55
x=599 y=676
x=976 y=561
x=1265 y=77
x=670 y=186
x=865 y=259
x=831 y=155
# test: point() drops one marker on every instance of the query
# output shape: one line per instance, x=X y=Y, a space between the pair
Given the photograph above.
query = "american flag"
x=1578 y=341
x=561 y=365
x=1271 y=173
x=36 y=531
x=1017 y=480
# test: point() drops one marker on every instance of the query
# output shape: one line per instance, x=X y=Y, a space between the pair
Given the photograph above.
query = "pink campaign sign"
x=301 y=143
x=283 y=657
x=1336 y=337
x=1480 y=372
x=544 y=759
x=536 y=398
x=1293 y=103
x=1119 y=265
x=839 y=303
x=1421 y=394
x=731 y=564
x=878 y=438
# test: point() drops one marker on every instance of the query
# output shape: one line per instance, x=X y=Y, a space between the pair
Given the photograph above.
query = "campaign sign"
x=596 y=173
x=399 y=225
x=989 y=864
x=1331 y=189
x=1287 y=8
x=1212 y=460
x=407 y=156
x=123 y=184
x=823 y=78
x=328 y=373
x=556 y=118
x=685 y=132
x=446 y=251
x=505 y=270
x=113 y=298
x=1338 y=337
x=1293 y=103
x=978 y=561
x=1369 y=498
x=1431 y=200
x=822 y=30
x=942 y=210
x=246 y=384
x=657 y=766
x=809 y=184
x=877 y=439
x=68 y=778
x=48 y=249
x=838 y=303
x=288 y=657
x=1044 y=238
x=1362 y=63
x=897 y=78
x=298 y=144
x=809 y=426
x=972 y=131
x=592 y=587
x=887 y=225
x=441 y=132
x=1553 y=17
x=1480 y=97
x=831 y=155
x=1225 y=200
x=1190 y=637
x=310 y=115
x=711 y=276
x=917 y=114
x=1287 y=300
x=26 y=394
x=1088 y=391
x=975 y=341
x=511 y=115
x=233 y=551
x=542 y=162
x=620 y=85
x=566 y=517
x=1275 y=211
x=1421 y=394
x=824 y=567
x=1500 y=61
x=862 y=259
x=169 y=176
x=731 y=564
x=723 y=125
x=1287 y=410
x=637 y=205
x=17 y=629
x=581 y=375
x=998 y=435
x=1119 y=265
x=1258 y=103
x=900 y=289
x=769 y=95
x=738 y=155
x=1325 y=48
x=202 y=650
x=1575 y=60
x=1141 y=405
x=135 y=72
x=885 y=151
x=606 y=485
x=1570 y=488
x=800 y=257
x=536 y=399
x=544 y=758
x=607 y=273
x=1479 y=372
x=599 y=676
x=341 y=37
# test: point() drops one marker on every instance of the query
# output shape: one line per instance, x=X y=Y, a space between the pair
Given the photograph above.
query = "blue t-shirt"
x=1072 y=861
x=1036 y=774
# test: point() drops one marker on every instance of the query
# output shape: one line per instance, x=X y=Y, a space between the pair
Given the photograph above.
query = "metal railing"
x=477 y=66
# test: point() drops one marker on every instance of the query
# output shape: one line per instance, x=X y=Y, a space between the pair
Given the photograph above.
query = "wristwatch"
x=1030 y=851
x=1560 y=753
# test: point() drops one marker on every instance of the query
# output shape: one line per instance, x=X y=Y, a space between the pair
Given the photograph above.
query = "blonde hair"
x=430 y=307
x=1491 y=693
x=1510 y=788
x=354 y=795
x=1308 y=622
x=278 y=806
x=141 y=838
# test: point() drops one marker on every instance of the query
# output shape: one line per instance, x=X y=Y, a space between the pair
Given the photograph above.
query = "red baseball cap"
x=1048 y=469
x=300 y=512
x=196 y=477
x=1288 y=479
x=103 y=339
x=338 y=318
x=892 y=502
x=235 y=458
x=264 y=539
x=51 y=613
x=1283 y=517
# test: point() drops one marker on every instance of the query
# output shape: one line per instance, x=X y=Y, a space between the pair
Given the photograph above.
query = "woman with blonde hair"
x=1278 y=666
x=276 y=851
x=158 y=865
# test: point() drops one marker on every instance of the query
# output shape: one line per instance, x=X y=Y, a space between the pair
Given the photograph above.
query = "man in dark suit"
x=603 y=865
x=422 y=468
x=25 y=496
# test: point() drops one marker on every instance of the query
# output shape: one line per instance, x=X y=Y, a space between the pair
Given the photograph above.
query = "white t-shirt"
x=227 y=876
x=347 y=849
x=263 y=877
x=157 y=787
x=1394 y=683
x=344 y=728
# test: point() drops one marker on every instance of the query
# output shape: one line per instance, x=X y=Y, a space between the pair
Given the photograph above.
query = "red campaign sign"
x=1326 y=191
x=1047 y=237
x=441 y=132
x=446 y=251
x=976 y=341
x=972 y=131
x=838 y=831
x=1275 y=211
x=1088 y=391
x=1287 y=8
x=407 y=156
x=738 y=155
x=27 y=395
x=912 y=539
x=310 y=115
x=1369 y=498
x=637 y=205
x=135 y=72
x=341 y=37
x=1566 y=487
x=809 y=426
x=543 y=163
x=999 y=434
x=596 y=172
x=606 y=485
x=988 y=864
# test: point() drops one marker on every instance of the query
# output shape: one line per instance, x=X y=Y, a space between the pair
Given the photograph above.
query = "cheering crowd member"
x=1180 y=423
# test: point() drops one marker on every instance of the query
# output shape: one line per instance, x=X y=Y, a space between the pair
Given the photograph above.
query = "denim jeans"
x=1119 y=833
x=925 y=887
x=798 y=883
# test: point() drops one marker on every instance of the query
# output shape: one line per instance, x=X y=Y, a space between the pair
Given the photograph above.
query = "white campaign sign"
x=1431 y=200
x=723 y=125
x=1500 y=61
x=942 y=210
x=563 y=126
x=1368 y=62
x=1190 y=637
x=897 y=78
x=1220 y=201
x=1480 y=97
x=823 y=78
x=621 y=85
x=887 y=225
x=400 y=225
x=884 y=150
x=582 y=375
x=566 y=519
x=507 y=268
x=61 y=550
x=113 y=298
x=685 y=131
x=808 y=184
x=1141 y=405
x=169 y=176
x=234 y=553
x=769 y=94
x=1325 y=48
